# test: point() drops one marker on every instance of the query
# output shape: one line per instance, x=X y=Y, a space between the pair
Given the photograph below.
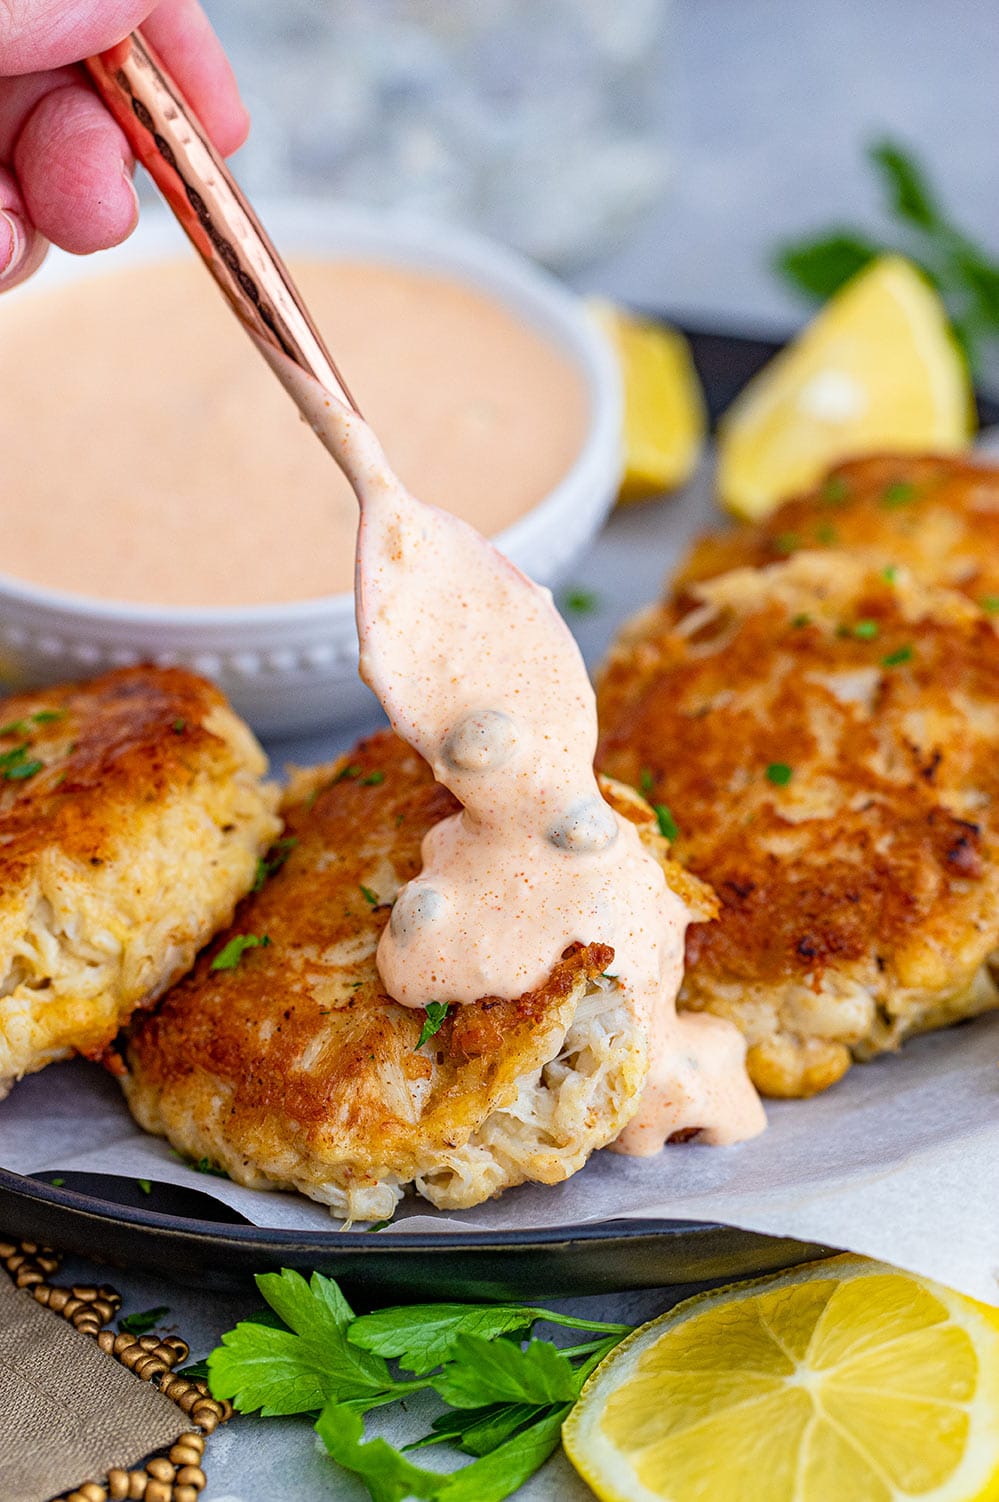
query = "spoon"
x=171 y=143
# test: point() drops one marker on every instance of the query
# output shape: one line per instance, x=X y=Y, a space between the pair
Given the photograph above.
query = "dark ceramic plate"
x=184 y=1234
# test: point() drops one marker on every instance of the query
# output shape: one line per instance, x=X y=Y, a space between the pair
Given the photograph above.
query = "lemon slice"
x=843 y=1381
x=876 y=370
x=664 y=414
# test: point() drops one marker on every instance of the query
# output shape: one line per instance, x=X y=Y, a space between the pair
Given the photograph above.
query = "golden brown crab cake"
x=295 y=1070
x=937 y=516
x=825 y=740
x=132 y=816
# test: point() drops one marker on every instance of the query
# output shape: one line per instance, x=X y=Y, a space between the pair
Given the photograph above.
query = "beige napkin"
x=68 y=1412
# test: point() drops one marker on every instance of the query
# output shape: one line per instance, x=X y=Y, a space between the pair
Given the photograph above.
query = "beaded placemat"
x=63 y=1402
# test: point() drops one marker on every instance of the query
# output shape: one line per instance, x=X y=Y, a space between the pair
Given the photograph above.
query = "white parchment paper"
x=899 y=1161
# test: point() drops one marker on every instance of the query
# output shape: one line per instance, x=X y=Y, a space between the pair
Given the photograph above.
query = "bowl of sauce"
x=163 y=501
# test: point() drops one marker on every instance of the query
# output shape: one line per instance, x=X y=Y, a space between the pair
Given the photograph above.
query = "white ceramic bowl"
x=293 y=668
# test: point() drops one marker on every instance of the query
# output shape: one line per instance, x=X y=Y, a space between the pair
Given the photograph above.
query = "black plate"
x=186 y=1235
x=209 y=1247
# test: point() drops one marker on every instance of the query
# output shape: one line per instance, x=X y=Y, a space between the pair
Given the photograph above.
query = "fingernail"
x=18 y=242
x=126 y=175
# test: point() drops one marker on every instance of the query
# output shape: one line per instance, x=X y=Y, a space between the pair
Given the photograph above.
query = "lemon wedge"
x=664 y=413
x=876 y=370
x=845 y=1379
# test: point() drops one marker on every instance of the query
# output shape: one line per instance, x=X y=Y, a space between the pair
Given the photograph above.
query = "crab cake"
x=132 y=816
x=293 y=1068
x=937 y=516
x=825 y=740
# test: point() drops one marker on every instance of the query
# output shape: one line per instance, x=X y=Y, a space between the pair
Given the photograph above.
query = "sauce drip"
x=477 y=671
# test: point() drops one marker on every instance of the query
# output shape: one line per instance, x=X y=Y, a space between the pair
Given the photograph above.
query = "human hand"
x=65 y=166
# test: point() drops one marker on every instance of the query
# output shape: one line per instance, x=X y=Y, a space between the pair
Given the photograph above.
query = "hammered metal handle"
x=170 y=142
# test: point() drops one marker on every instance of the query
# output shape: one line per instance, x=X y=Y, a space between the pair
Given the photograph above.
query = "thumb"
x=40 y=34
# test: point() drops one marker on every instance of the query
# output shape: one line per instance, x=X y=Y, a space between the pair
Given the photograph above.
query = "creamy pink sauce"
x=174 y=470
x=477 y=671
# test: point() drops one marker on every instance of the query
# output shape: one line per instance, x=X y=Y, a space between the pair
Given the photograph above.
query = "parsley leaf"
x=505 y=1469
x=22 y=770
x=898 y=493
x=142 y=1321
x=486 y=1371
x=779 y=773
x=579 y=601
x=370 y=897
x=423 y=1335
x=508 y=1403
x=896 y=658
x=300 y=1369
x=667 y=824
x=906 y=185
x=389 y=1476
x=821 y=266
x=230 y=954
x=434 y=1014
x=275 y=858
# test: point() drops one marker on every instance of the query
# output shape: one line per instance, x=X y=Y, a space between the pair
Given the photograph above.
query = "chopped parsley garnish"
x=835 y=490
x=580 y=601
x=21 y=770
x=646 y=782
x=145 y=1185
x=786 y=542
x=179 y=726
x=230 y=955
x=57 y=1183
x=377 y=1225
x=667 y=824
x=990 y=604
x=16 y=754
x=898 y=493
x=798 y=621
x=435 y=1013
x=866 y=630
x=205 y=1165
x=345 y=773
x=890 y=573
x=40 y=717
x=779 y=773
x=373 y=779
x=826 y=534
x=900 y=655
x=369 y=896
x=273 y=860
x=142 y=1321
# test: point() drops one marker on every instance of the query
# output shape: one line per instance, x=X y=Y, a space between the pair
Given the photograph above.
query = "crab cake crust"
x=937 y=516
x=131 y=819
x=826 y=741
x=296 y=1070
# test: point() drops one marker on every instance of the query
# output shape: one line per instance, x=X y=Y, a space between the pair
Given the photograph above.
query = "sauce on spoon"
x=477 y=671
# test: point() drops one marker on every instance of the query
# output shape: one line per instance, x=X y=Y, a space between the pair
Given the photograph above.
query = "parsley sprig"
x=962 y=270
x=507 y=1392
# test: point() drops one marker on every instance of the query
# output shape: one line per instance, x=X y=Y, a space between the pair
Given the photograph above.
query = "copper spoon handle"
x=170 y=142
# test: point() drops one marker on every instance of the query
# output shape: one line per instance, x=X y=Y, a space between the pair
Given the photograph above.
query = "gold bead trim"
x=173 y=1476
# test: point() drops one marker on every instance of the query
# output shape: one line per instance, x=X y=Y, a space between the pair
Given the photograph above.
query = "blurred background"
x=656 y=150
